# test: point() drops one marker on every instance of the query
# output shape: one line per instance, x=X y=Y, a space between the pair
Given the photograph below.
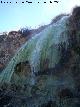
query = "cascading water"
x=40 y=47
x=45 y=71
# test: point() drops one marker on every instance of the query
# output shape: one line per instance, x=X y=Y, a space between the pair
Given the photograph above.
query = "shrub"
x=24 y=31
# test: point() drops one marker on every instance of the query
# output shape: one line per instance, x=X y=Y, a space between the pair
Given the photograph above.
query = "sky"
x=14 y=16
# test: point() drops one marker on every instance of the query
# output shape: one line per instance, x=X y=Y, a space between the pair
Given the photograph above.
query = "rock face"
x=12 y=41
x=45 y=71
x=9 y=44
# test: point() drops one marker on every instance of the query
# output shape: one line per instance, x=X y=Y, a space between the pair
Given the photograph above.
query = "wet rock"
x=65 y=93
x=4 y=100
x=1 y=66
x=49 y=104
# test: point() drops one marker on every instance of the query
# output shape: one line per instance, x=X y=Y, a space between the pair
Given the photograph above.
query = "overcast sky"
x=17 y=15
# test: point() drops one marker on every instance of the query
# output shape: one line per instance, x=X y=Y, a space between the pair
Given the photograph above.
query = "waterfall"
x=40 y=47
